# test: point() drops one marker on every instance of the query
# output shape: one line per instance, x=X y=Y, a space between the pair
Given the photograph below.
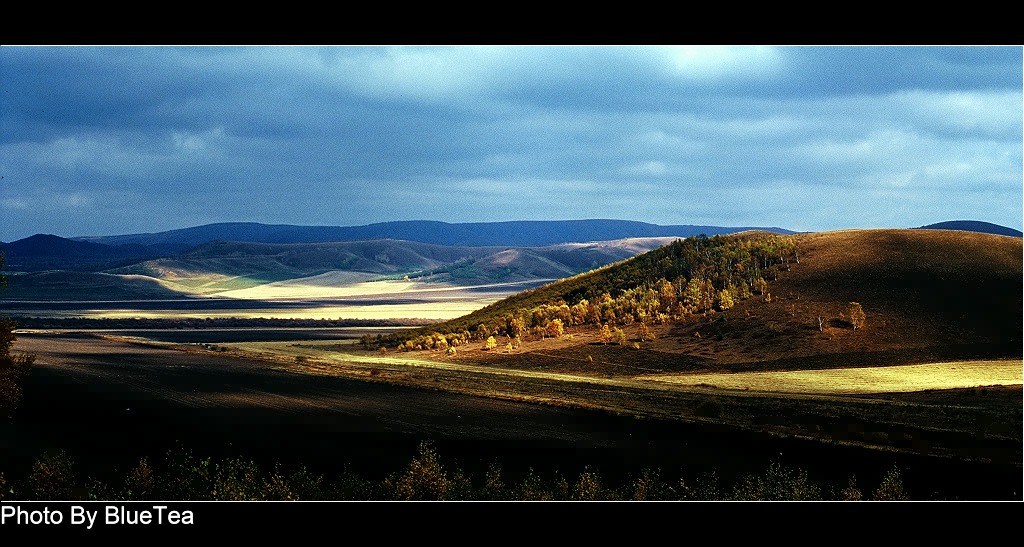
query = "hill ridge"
x=507 y=233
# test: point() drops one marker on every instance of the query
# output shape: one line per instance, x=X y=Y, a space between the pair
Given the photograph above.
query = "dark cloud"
x=117 y=139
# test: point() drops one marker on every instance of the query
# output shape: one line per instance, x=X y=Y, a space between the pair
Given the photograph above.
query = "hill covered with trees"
x=755 y=300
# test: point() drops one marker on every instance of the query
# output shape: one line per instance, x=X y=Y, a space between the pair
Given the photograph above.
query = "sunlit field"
x=318 y=357
x=321 y=287
x=861 y=380
x=424 y=310
x=309 y=298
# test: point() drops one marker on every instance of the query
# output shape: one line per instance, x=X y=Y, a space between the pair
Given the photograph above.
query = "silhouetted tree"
x=13 y=368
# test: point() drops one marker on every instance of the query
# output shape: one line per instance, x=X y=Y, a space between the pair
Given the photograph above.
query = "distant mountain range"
x=526 y=233
x=218 y=257
x=46 y=251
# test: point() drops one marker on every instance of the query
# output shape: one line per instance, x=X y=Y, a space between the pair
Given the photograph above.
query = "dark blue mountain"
x=47 y=251
x=974 y=226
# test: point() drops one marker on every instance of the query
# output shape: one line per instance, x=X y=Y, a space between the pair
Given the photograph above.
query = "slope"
x=926 y=295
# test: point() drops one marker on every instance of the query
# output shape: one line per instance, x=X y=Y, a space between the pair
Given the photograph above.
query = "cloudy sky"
x=114 y=140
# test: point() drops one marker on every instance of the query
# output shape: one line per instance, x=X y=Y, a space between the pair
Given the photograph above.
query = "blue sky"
x=114 y=140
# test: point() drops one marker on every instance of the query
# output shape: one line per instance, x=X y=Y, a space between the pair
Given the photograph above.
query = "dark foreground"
x=107 y=405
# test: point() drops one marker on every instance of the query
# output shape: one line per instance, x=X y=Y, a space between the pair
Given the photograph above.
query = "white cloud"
x=653 y=168
x=964 y=112
x=14 y=203
x=712 y=63
x=190 y=142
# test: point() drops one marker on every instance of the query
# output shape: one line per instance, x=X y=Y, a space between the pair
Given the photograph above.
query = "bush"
x=857 y=317
x=424 y=479
x=588 y=486
x=649 y=487
x=891 y=488
x=52 y=477
x=778 y=483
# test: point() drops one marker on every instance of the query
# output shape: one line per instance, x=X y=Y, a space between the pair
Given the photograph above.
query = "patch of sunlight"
x=903 y=378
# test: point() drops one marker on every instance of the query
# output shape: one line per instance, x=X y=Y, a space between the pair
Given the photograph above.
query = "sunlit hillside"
x=924 y=294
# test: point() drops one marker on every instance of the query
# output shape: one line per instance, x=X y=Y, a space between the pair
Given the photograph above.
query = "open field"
x=325 y=402
x=370 y=300
x=899 y=378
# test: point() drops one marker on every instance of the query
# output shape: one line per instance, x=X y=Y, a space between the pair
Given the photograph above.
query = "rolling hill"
x=474 y=234
x=226 y=266
x=50 y=252
x=925 y=294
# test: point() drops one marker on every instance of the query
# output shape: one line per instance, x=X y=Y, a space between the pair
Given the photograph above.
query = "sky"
x=120 y=139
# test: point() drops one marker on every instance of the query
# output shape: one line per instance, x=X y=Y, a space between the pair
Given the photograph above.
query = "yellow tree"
x=857 y=317
x=644 y=332
x=724 y=300
x=555 y=328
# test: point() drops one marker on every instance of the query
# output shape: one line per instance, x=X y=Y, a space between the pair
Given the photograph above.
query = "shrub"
x=532 y=488
x=494 y=485
x=891 y=488
x=588 y=486
x=649 y=487
x=778 y=483
x=237 y=480
x=140 y=484
x=857 y=317
x=424 y=479
x=851 y=492
x=52 y=477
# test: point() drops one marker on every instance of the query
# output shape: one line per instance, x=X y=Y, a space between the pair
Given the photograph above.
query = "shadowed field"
x=116 y=400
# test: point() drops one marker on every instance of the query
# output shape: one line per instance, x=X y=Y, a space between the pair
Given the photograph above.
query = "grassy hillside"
x=924 y=294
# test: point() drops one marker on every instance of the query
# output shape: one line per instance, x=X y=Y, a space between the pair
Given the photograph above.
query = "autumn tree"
x=555 y=328
x=491 y=343
x=644 y=332
x=857 y=317
x=724 y=300
x=620 y=336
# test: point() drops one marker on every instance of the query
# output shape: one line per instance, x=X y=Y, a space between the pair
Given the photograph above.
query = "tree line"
x=181 y=475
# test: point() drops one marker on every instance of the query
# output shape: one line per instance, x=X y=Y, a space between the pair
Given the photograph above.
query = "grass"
x=862 y=379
